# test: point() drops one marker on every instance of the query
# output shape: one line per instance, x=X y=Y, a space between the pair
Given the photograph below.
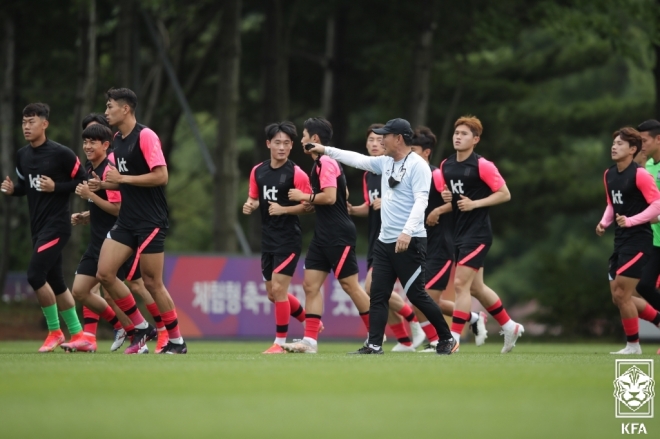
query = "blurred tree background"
x=550 y=81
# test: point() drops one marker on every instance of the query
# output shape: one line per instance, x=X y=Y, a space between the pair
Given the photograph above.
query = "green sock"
x=52 y=320
x=71 y=319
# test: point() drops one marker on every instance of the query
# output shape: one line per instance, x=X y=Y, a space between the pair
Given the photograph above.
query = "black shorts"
x=438 y=271
x=628 y=263
x=339 y=258
x=88 y=266
x=471 y=255
x=281 y=263
x=145 y=241
x=46 y=262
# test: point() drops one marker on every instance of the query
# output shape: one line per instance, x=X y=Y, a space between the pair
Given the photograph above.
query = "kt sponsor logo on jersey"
x=35 y=182
x=617 y=197
x=373 y=195
x=121 y=165
x=270 y=194
x=456 y=188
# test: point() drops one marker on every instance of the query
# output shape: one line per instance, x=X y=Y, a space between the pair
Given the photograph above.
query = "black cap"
x=649 y=125
x=396 y=126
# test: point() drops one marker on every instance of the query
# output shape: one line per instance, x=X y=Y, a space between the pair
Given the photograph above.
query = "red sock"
x=91 y=320
x=458 y=321
x=282 y=311
x=312 y=324
x=430 y=331
x=297 y=310
x=128 y=305
x=650 y=315
x=109 y=316
x=171 y=323
x=401 y=334
x=365 y=319
x=407 y=313
x=498 y=311
x=631 y=328
x=155 y=313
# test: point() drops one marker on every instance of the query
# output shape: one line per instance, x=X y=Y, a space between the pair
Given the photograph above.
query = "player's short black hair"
x=94 y=117
x=97 y=132
x=123 y=94
x=285 y=127
x=37 y=109
x=651 y=126
x=319 y=126
x=424 y=137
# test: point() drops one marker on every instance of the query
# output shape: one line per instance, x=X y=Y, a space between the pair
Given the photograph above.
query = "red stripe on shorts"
x=283 y=265
x=342 y=260
x=630 y=263
x=472 y=255
x=139 y=252
x=439 y=275
x=48 y=245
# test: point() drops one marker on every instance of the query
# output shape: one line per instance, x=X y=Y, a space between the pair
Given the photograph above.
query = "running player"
x=333 y=245
x=476 y=184
x=440 y=246
x=398 y=308
x=281 y=236
x=47 y=173
x=107 y=220
x=141 y=175
x=633 y=200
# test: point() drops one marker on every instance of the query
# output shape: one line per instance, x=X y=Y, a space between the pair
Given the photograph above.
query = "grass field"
x=230 y=390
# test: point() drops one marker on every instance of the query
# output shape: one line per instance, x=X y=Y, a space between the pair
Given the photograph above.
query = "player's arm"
x=9 y=188
x=157 y=177
x=350 y=158
x=80 y=219
x=434 y=215
x=361 y=210
x=491 y=176
x=71 y=163
x=648 y=188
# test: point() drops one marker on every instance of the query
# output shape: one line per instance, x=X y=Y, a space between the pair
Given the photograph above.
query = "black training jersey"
x=333 y=224
x=100 y=221
x=138 y=154
x=630 y=192
x=475 y=178
x=440 y=239
x=279 y=233
x=48 y=210
x=371 y=190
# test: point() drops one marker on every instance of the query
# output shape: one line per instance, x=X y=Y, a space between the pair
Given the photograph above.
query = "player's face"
x=34 y=127
x=423 y=153
x=95 y=149
x=464 y=139
x=280 y=146
x=375 y=144
x=621 y=150
x=115 y=112
x=650 y=144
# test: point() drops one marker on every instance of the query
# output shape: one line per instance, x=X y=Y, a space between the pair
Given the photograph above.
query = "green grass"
x=230 y=390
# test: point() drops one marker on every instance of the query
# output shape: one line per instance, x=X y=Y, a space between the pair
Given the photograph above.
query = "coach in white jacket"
x=400 y=251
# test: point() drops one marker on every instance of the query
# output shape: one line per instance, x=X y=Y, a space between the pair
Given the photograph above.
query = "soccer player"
x=281 y=236
x=650 y=133
x=333 y=244
x=47 y=173
x=633 y=200
x=140 y=174
x=440 y=246
x=399 y=309
x=400 y=251
x=475 y=184
x=106 y=220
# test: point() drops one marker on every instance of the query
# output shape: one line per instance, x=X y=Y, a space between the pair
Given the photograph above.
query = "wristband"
x=312 y=197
